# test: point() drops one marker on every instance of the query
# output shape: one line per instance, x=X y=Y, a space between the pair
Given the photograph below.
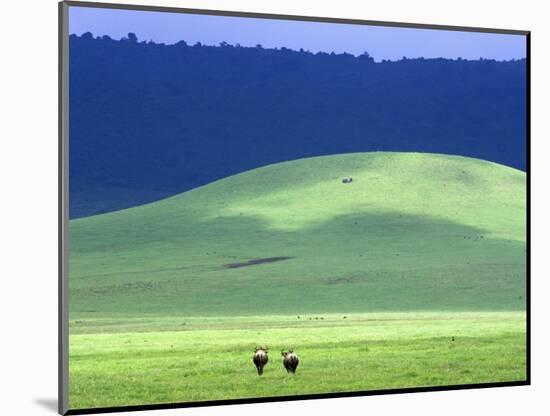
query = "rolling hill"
x=411 y=232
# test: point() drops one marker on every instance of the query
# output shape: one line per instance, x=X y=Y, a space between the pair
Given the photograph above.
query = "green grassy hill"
x=412 y=275
x=412 y=232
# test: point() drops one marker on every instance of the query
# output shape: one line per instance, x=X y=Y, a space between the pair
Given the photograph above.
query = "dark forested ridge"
x=150 y=120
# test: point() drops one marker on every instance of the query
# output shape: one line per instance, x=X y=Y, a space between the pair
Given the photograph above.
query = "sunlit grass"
x=357 y=353
x=412 y=275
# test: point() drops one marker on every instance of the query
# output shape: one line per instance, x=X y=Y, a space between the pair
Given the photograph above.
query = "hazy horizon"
x=381 y=42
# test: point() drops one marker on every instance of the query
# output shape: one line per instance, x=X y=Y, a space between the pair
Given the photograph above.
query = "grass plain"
x=368 y=282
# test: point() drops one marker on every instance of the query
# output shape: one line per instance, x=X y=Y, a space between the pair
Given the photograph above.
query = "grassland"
x=167 y=302
x=210 y=358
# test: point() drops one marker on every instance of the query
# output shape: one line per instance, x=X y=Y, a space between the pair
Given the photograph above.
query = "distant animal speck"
x=347 y=179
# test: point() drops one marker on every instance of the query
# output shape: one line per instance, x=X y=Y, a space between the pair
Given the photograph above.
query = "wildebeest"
x=347 y=179
x=290 y=361
x=260 y=359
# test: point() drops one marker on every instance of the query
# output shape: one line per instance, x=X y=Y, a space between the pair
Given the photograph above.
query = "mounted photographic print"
x=264 y=207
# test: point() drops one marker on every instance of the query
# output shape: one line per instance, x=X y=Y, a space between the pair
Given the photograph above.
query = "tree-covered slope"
x=150 y=120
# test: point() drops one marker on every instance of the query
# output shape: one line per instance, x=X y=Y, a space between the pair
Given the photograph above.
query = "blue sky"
x=381 y=42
